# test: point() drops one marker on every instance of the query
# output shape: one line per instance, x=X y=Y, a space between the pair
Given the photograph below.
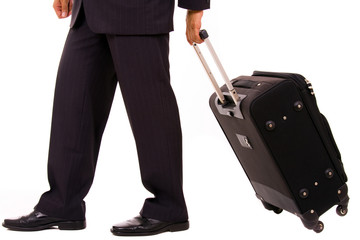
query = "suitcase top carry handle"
x=204 y=35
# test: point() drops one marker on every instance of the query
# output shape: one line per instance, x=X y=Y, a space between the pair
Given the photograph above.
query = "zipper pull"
x=309 y=85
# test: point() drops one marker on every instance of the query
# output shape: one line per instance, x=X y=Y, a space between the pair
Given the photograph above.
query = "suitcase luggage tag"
x=227 y=103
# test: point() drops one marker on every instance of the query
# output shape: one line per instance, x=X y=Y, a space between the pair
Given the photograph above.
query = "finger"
x=188 y=38
x=57 y=7
x=64 y=8
x=195 y=36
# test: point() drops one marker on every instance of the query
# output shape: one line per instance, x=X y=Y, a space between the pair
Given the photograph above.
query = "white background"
x=319 y=39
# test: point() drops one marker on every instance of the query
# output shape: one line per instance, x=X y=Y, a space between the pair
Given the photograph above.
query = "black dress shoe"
x=140 y=226
x=36 y=221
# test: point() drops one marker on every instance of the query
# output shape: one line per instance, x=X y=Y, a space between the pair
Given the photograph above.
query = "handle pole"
x=234 y=95
x=211 y=76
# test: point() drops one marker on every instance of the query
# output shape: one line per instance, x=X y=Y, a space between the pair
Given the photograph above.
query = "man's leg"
x=83 y=96
x=84 y=92
x=142 y=68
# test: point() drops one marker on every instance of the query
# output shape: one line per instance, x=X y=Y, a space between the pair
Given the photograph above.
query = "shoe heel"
x=73 y=225
x=179 y=227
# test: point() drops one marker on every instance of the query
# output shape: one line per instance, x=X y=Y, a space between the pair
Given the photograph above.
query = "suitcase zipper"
x=309 y=86
x=299 y=79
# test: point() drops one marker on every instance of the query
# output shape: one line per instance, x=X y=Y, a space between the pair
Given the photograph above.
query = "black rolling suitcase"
x=282 y=141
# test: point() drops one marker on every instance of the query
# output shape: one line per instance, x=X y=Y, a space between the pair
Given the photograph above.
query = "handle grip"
x=203 y=34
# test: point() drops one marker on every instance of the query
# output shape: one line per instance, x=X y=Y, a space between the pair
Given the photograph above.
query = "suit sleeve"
x=194 y=4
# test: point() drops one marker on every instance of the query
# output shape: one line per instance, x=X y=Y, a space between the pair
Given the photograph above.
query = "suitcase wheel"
x=277 y=210
x=319 y=227
x=341 y=210
x=271 y=207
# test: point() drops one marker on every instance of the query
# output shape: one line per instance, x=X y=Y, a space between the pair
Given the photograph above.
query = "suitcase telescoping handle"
x=204 y=35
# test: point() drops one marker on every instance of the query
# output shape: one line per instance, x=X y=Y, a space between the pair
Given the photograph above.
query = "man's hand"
x=63 y=8
x=193 y=25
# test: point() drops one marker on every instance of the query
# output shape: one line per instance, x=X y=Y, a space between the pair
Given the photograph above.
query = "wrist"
x=193 y=11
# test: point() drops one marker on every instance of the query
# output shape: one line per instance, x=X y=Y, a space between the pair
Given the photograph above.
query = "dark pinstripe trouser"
x=90 y=67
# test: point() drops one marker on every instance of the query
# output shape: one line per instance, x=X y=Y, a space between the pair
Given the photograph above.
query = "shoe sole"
x=69 y=225
x=170 y=228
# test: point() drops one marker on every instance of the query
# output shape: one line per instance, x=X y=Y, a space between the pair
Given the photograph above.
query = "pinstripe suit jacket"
x=132 y=17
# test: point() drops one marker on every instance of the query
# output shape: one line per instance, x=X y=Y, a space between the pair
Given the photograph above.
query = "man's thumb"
x=64 y=8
